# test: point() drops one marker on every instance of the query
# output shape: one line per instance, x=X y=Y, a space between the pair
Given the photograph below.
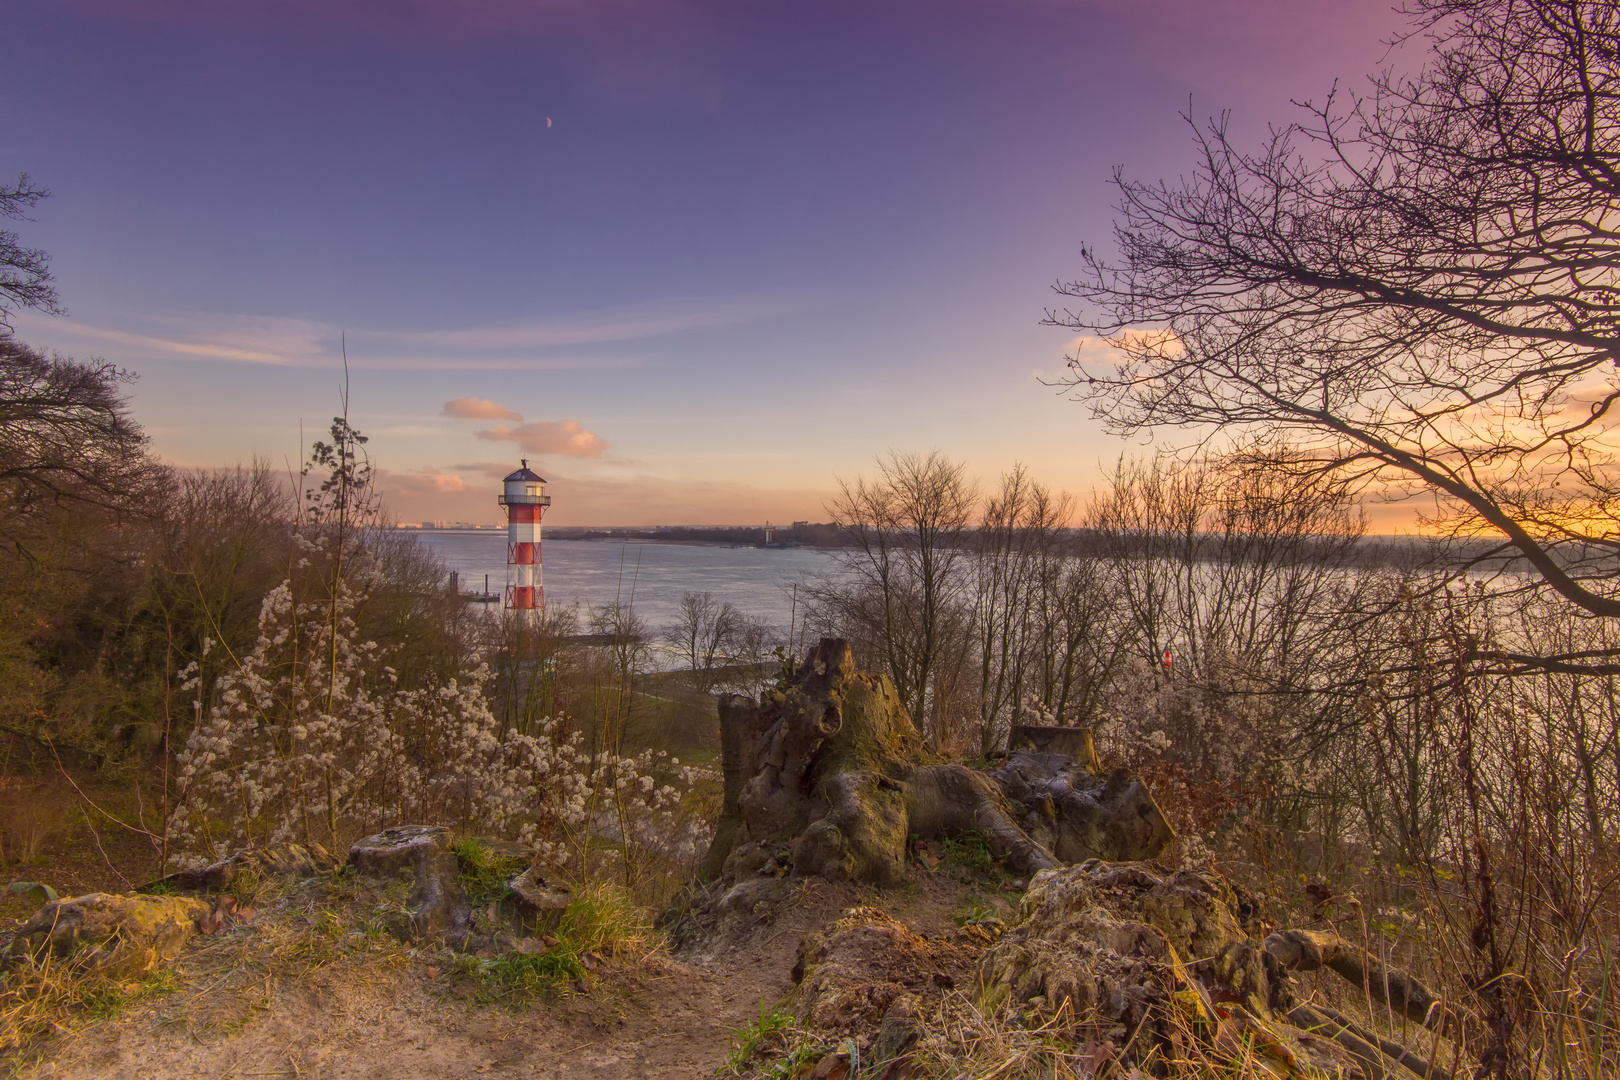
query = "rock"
x=898 y=1034
x=279 y=860
x=539 y=904
x=752 y=896
x=115 y=935
x=831 y=1067
x=423 y=853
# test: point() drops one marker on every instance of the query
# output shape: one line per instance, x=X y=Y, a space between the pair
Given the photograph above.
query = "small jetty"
x=485 y=597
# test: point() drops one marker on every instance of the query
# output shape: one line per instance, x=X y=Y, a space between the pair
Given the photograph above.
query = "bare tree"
x=66 y=438
x=25 y=276
x=1415 y=286
x=903 y=572
x=1017 y=555
x=705 y=632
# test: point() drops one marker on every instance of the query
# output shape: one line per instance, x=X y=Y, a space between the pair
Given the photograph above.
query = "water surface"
x=654 y=576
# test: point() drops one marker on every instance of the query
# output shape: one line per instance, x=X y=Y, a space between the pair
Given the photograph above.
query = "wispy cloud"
x=206 y=350
x=528 y=344
x=564 y=438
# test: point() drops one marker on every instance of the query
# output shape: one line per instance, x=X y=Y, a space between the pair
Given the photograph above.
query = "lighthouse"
x=524 y=496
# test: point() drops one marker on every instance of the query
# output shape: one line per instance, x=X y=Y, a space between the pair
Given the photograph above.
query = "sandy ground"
x=379 y=1011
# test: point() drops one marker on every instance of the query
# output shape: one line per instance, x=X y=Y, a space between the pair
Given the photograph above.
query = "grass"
x=748 y=1040
x=41 y=996
x=514 y=978
x=969 y=855
x=484 y=874
x=602 y=921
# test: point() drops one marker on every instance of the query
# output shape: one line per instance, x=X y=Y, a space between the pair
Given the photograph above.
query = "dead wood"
x=823 y=774
x=1311 y=950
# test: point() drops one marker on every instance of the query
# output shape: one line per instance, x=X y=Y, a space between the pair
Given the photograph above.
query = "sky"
x=694 y=260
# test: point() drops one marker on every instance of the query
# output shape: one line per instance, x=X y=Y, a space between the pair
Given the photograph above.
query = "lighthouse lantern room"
x=524 y=496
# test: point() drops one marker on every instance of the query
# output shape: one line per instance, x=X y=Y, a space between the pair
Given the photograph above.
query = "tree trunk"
x=821 y=775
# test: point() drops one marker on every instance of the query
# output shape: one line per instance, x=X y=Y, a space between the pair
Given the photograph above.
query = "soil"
x=260 y=1001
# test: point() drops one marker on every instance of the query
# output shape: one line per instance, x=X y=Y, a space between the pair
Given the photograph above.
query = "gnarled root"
x=1311 y=950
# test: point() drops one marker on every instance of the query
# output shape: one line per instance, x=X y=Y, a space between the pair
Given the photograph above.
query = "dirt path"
x=273 y=1001
x=655 y=1018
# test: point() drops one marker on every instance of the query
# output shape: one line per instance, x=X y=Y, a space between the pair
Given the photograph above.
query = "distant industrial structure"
x=524 y=496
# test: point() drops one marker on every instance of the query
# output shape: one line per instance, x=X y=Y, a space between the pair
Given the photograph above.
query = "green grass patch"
x=601 y=922
x=968 y=854
x=516 y=977
x=750 y=1039
x=484 y=874
x=603 y=919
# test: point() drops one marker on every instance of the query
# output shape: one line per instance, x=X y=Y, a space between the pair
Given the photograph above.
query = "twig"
x=92 y=804
x=103 y=851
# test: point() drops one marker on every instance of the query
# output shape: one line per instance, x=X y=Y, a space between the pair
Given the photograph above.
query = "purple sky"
x=694 y=259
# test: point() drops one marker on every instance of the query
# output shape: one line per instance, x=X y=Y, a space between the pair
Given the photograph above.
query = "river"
x=654 y=576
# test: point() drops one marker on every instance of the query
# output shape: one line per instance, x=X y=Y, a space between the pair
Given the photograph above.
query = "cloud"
x=565 y=438
x=495 y=470
x=208 y=350
x=426 y=484
x=468 y=408
x=527 y=345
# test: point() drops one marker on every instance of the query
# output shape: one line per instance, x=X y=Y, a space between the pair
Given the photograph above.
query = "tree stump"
x=1073 y=742
x=539 y=904
x=1079 y=815
x=422 y=852
x=823 y=773
x=279 y=860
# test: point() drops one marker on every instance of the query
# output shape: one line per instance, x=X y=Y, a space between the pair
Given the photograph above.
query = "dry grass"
x=331 y=930
x=42 y=997
x=960 y=1041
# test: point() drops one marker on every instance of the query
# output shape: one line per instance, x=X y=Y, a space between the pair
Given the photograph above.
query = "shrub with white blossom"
x=313 y=738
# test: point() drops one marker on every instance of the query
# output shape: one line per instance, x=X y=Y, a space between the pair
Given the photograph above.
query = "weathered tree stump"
x=1079 y=815
x=1145 y=958
x=539 y=904
x=1072 y=742
x=422 y=852
x=824 y=773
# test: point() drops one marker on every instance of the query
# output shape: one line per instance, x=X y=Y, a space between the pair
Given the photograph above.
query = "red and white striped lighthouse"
x=524 y=496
